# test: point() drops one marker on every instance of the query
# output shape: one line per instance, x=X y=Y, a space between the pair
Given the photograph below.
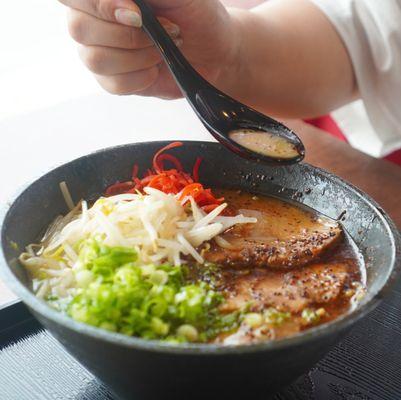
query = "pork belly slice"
x=291 y=291
x=284 y=236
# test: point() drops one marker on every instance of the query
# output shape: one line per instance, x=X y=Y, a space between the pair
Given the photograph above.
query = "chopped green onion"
x=159 y=277
x=159 y=327
x=84 y=278
x=189 y=332
x=274 y=317
x=254 y=320
x=310 y=316
x=119 y=294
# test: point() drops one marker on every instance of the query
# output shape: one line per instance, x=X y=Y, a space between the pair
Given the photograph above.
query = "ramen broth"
x=265 y=143
x=295 y=298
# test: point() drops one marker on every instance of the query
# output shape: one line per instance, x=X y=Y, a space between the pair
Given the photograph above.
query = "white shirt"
x=371 y=31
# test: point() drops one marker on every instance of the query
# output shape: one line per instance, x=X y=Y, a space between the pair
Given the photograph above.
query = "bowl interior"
x=26 y=218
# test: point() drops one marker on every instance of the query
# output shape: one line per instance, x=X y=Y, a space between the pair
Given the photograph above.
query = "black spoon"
x=243 y=130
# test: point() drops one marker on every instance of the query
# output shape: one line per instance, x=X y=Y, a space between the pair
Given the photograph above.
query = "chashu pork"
x=289 y=292
x=317 y=285
x=283 y=236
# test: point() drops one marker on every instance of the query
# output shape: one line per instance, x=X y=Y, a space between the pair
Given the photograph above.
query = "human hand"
x=124 y=60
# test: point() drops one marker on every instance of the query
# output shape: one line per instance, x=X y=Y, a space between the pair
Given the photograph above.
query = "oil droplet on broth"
x=264 y=143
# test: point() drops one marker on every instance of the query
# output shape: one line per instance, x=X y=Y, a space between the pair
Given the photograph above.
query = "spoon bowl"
x=243 y=130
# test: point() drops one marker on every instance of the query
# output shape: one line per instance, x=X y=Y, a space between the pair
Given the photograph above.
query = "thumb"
x=125 y=12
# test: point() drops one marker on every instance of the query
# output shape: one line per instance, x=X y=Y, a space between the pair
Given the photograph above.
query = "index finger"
x=121 y=11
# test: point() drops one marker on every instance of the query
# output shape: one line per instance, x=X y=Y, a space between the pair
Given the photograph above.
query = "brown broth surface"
x=330 y=282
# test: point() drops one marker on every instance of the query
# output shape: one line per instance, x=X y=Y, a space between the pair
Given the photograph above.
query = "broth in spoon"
x=265 y=143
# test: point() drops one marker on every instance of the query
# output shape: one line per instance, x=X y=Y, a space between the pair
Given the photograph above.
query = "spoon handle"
x=185 y=75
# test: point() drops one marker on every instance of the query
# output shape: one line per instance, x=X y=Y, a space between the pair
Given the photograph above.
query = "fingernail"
x=173 y=30
x=128 y=17
x=178 y=42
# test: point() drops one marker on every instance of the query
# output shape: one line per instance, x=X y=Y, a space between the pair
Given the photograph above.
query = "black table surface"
x=366 y=365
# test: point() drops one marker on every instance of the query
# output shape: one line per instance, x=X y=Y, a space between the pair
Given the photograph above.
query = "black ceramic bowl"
x=138 y=369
